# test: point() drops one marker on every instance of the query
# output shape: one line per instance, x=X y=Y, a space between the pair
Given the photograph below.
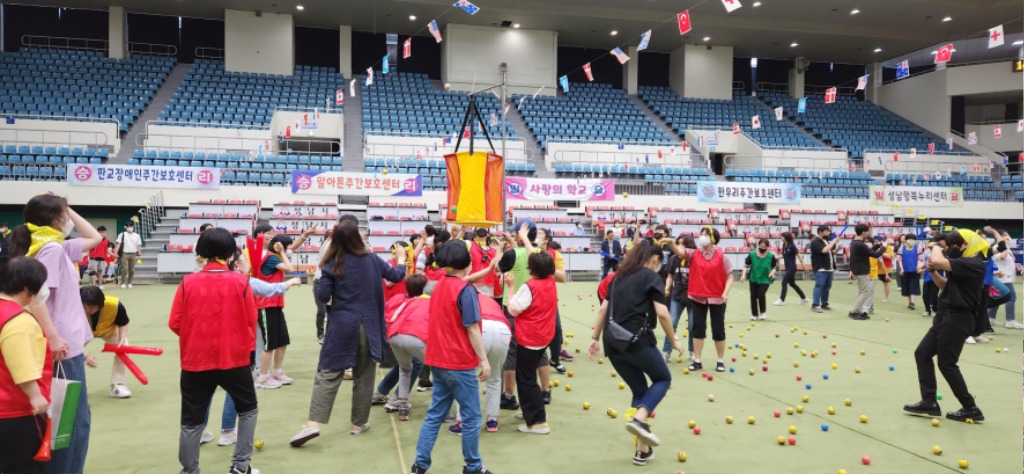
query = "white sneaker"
x=130 y=286
x=282 y=377
x=101 y=287
x=754 y=318
x=805 y=301
x=206 y=438
x=763 y=317
x=982 y=339
x=885 y=300
x=252 y=470
x=119 y=391
x=227 y=438
x=303 y=436
x=1014 y=325
x=779 y=302
x=124 y=286
x=970 y=340
x=266 y=381
x=994 y=322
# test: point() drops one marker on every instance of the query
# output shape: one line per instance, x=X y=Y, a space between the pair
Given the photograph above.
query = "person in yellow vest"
x=109 y=321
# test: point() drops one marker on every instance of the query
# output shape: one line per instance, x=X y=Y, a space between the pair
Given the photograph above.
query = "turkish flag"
x=288 y=132
x=944 y=54
x=931 y=148
x=736 y=128
x=684 y=22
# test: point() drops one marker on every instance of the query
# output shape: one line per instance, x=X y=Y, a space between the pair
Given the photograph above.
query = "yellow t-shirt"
x=24 y=348
x=873 y=273
x=559 y=261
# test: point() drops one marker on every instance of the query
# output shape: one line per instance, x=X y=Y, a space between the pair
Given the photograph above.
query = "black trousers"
x=758 y=298
x=19 y=441
x=556 y=343
x=789 y=279
x=321 y=311
x=981 y=321
x=531 y=398
x=197 y=389
x=609 y=265
x=699 y=312
x=931 y=296
x=944 y=341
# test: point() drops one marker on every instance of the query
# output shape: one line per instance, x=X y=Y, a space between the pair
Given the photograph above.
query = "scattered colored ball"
x=586 y=405
x=792 y=429
x=892 y=368
x=681 y=456
x=835 y=366
x=963 y=464
x=711 y=377
x=728 y=420
x=856 y=370
x=824 y=376
x=806 y=399
x=935 y=422
x=751 y=420
x=808 y=386
x=258 y=444
x=831 y=410
x=691 y=424
x=732 y=369
x=824 y=427
x=799 y=408
x=781 y=440
x=799 y=378
x=789 y=410
x=792 y=441
x=848 y=402
x=776 y=413
x=866 y=460
x=764 y=368
x=863 y=418
x=569 y=373
x=696 y=431
x=711 y=397
x=622 y=385
x=937 y=449
x=686 y=370
x=938 y=396
x=568 y=387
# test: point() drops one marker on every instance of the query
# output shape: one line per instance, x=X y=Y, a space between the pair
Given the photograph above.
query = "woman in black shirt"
x=675 y=288
x=790 y=254
x=636 y=299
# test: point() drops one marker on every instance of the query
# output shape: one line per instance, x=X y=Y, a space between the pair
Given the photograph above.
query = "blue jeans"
x=675 y=309
x=635 y=367
x=72 y=459
x=387 y=384
x=453 y=385
x=822 y=286
x=228 y=415
x=1010 y=305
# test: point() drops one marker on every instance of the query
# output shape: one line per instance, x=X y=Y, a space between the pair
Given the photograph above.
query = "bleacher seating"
x=680 y=113
x=82 y=84
x=241 y=168
x=400 y=102
x=814 y=184
x=856 y=125
x=434 y=171
x=976 y=187
x=591 y=112
x=45 y=163
x=211 y=97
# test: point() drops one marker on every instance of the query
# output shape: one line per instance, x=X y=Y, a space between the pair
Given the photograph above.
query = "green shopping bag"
x=64 y=397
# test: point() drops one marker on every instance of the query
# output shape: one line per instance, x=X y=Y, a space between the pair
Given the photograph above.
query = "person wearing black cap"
x=959 y=298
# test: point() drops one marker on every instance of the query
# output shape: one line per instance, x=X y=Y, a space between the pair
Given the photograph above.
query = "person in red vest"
x=426 y=262
x=534 y=308
x=407 y=317
x=455 y=350
x=98 y=258
x=481 y=255
x=214 y=316
x=711 y=279
x=26 y=367
x=395 y=289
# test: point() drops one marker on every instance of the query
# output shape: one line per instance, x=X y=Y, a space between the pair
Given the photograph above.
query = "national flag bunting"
x=830 y=95
x=588 y=72
x=801 y=106
x=931 y=148
x=434 y=30
x=617 y=52
x=972 y=138
x=564 y=82
x=735 y=128
x=288 y=132
x=466 y=132
x=494 y=119
x=386 y=68
x=645 y=39
x=903 y=69
x=407 y=48
x=755 y=122
x=949 y=142
x=862 y=82
x=1020 y=126
x=469 y=7
x=995 y=37
x=778 y=113
x=339 y=97
x=684 y=22
x=997 y=131
x=369 y=76
x=896 y=156
x=944 y=54
x=731 y=5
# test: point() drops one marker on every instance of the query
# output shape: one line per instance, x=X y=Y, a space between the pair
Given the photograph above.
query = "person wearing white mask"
x=1006 y=273
x=129 y=248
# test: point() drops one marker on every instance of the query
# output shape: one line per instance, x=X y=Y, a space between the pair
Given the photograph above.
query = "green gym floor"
x=140 y=434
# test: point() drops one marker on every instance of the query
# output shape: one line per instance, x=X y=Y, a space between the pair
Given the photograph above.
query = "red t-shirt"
x=535 y=327
x=214 y=316
x=448 y=345
x=412 y=319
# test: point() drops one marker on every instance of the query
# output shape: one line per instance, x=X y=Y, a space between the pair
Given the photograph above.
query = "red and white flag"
x=298 y=125
x=736 y=128
x=407 y=48
x=588 y=72
x=731 y=5
x=660 y=154
x=778 y=113
x=755 y=122
x=305 y=120
x=684 y=22
x=352 y=88
x=339 y=97
x=995 y=37
x=913 y=152
x=896 y=156
x=949 y=142
x=931 y=148
x=977 y=167
x=316 y=114
x=997 y=131
x=369 y=76
x=685 y=146
x=830 y=95
x=1020 y=126
x=494 y=119
x=288 y=132
x=944 y=54
x=466 y=132
x=434 y=30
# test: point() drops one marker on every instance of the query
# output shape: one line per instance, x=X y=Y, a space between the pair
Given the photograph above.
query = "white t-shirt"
x=130 y=242
x=1005 y=263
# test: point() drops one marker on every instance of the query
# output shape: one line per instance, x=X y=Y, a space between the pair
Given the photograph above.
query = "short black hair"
x=454 y=255
x=22 y=274
x=541 y=265
x=822 y=228
x=284 y=239
x=861 y=228
x=481 y=232
x=914 y=236
x=92 y=295
x=348 y=218
x=206 y=225
x=609 y=232
x=101 y=228
x=261 y=229
x=953 y=239
x=216 y=243
x=414 y=284
x=430 y=230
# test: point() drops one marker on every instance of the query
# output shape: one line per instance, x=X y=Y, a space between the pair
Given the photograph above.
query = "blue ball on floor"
x=825 y=376
x=824 y=427
x=892 y=368
x=732 y=369
x=808 y=386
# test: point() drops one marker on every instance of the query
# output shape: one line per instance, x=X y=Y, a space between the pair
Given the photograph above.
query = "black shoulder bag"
x=615 y=335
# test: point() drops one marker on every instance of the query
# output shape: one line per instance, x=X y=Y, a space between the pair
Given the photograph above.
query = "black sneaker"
x=854 y=316
x=720 y=366
x=558 y=367
x=483 y=470
x=641 y=458
x=424 y=385
x=865 y=316
x=417 y=470
x=508 y=402
x=642 y=431
x=967 y=415
x=248 y=470
x=911 y=306
x=546 y=394
x=696 y=366
x=923 y=408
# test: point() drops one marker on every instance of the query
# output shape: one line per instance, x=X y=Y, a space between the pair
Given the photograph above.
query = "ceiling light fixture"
x=412 y=17
x=614 y=32
x=299 y=7
x=794 y=44
x=757 y=4
x=878 y=50
x=854 y=11
x=515 y=25
x=947 y=19
x=707 y=38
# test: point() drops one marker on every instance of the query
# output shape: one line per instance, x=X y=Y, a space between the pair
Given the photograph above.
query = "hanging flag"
x=700 y=140
x=755 y=122
x=434 y=30
x=862 y=82
x=1020 y=126
x=659 y=154
x=931 y=148
x=684 y=22
x=469 y=7
x=949 y=142
x=830 y=95
x=995 y=37
x=316 y=114
x=588 y=72
x=407 y=48
x=387 y=67
x=684 y=146
x=288 y=132
x=896 y=156
x=620 y=55
x=339 y=97
x=735 y=128
x=913 y=152
x=944 y=54
x=564 y=82
x=521 y=100
x=645 y=39
x=802 y=106
x=466 y=132
x=972 y=138
x=298 y=125
x=977 y=167
x=997 y=131
x=778 y=113
x=505 y=112
x=352 y=88
x=369 y=76
x=731 y=5
x=903 y=69
x=494 y=119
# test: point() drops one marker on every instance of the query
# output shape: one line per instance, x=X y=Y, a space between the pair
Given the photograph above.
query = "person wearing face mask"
x=129 y=248
x=1005 y=274
x=823 y=263
x=708 y=289
x=58 y=305
x=909 y=262
x=790 y=256
x=959 y=299
x=860 y=267
x=760 y=266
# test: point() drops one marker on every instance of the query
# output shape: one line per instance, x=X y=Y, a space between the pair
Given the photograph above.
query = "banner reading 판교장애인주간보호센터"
x=356 y=184
x=134 y=176
x=727 y=191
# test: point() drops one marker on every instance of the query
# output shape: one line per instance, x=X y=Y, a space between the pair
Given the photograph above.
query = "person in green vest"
x=760 y=266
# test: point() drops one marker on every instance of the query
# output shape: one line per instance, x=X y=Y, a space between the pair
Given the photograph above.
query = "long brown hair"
x=344 y=240
x=636 y=259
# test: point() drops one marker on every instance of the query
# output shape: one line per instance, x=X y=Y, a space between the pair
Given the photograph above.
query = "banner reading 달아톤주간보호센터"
x=921 y=196
x=539 y=189
x=725 y=191
x=356 y=184
x=133 y=176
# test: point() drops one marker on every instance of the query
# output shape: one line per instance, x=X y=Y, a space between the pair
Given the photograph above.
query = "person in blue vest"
x=909 y=263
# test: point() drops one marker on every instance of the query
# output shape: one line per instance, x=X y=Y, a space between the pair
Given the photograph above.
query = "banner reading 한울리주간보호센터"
x=921 y=196
x=539 y=189
x=356 y=184
x=133 y=176
x=726 y=191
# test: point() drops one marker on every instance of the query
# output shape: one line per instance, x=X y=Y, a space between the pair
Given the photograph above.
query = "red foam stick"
x=136 y=371
x=43 y=454
x=150 y=351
